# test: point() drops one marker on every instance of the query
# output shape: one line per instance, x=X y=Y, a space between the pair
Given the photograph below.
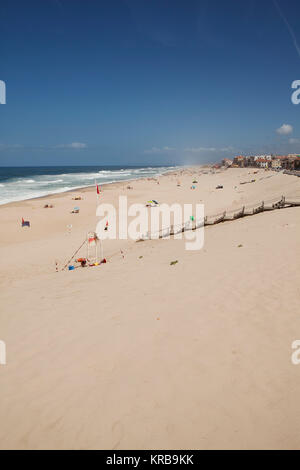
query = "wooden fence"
x=228 y=215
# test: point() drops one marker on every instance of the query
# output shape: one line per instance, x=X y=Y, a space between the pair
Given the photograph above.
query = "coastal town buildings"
x=239 y=161
x=227 y=162
x=275 y=162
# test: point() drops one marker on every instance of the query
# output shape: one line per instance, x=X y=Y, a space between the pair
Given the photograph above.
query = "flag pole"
x=100 y=240
x=97 y=192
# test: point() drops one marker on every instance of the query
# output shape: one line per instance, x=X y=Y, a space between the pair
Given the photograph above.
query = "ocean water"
x=20 y=183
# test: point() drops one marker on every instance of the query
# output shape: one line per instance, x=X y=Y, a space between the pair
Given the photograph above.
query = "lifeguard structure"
x=94 y=248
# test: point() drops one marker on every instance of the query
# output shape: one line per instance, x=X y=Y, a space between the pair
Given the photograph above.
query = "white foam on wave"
x=50 y=182
x=18 y=189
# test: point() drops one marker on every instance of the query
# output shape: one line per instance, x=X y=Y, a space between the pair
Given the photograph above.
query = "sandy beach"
x=140 y=354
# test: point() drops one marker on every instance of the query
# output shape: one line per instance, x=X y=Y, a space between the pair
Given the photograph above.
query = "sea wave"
x=36 y=185
x=50 y=182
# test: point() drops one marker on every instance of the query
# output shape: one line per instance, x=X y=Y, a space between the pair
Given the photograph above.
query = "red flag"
x=23 y=220
x=98 y=190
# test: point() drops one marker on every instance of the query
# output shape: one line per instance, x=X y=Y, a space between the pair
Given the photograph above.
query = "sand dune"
x=139 y=354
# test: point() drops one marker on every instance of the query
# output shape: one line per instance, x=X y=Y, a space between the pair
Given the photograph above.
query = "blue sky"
x=147 y=82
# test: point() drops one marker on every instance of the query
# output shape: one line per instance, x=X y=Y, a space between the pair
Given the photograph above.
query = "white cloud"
x=78 y=145
x=208 y=149
x=73 y=145
x=154 y=150
x=294 y=141
x=11 y=146
x=285 y=129
x=200 y=149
